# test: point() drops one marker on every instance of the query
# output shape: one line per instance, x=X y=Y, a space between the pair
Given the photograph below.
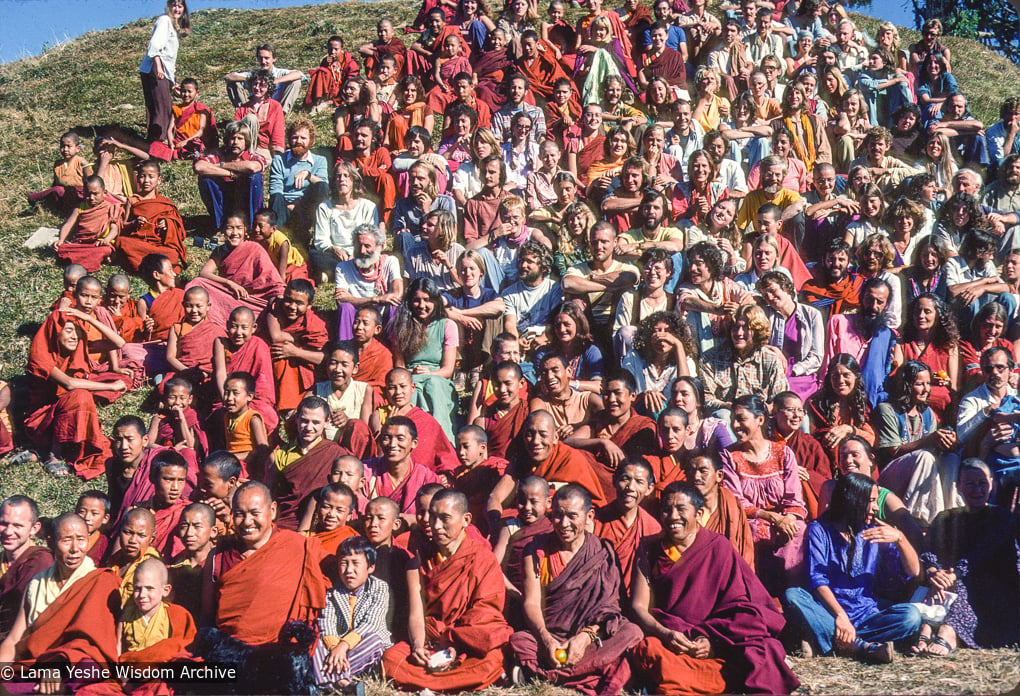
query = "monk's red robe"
x=141 y=487
x=434 y=450
x=325 y=81
x=166 y=435
x=374 y=364
x=610 y=525
x=463 y=597
x=195 y=348
x=710 y=591
x=395 y=48
x=247 y=265
x=543 y=70
x=254 y=358
x=80 y=624
x=812 y=457
x=480 y=107
x=98 y=544
x=147 y=239
x=477 y=483
x=436 y=98
x=14 y=580
x=357 y=438
x=583 y=592
x=841 y=297
x=166 y=310
x=293 y=376
x=516 y=546
x=293 y=486
x=667 y=469
x=730 y=520
x=419 y=65
x=67 y=418
x=565 y=465
x=402 y=493
x=504 y=430
x=93 y=223
x=167 y=518
x=255 y=596
x=490 y=69
x=128 y=322
x=589 y=155
x=636 y=437
x=669 y=65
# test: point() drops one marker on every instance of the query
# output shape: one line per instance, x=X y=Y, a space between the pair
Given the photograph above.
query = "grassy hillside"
x=93 y=81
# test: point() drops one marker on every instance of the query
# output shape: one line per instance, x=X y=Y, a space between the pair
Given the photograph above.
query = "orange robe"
x=255 y=596
x=326 y=80
x=566 y=465
x=93 y=224
x=375 y=362
x=463 y=597
x=166 y=310
x=626 y=541
x=542 y=71
x=293 y=376
x=477 y=483
x=128 y=322
x=730 y=521
x=376 y=177
x=636 y=437
x=148 y=239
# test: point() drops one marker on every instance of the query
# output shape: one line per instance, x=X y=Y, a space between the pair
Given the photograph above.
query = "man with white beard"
x=369 y=277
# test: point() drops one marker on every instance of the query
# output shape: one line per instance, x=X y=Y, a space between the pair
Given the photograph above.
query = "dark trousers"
x=159 y=103
x=302 y=216
x=223 y=196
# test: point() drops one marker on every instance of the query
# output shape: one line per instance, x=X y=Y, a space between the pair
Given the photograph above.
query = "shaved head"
x=119 y=281
x=459 y=500
x=243 y=312
x=382 y=503
x=537 y=484
x=143 y=515
x=207 y=513
x=197 y=292
x=71 y=520
x=156 y=568
x=253 y=489
x=541 y=417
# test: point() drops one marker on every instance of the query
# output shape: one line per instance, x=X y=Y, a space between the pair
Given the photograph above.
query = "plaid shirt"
x=728 y=376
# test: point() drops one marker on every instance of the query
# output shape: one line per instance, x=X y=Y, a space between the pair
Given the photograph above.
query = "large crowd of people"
x=662 y=344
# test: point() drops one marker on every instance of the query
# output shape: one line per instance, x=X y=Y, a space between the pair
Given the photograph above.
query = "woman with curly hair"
x=411 y=110
x=919 y=464
x=425 y=342
x=904 y=220
x=987 y=330
x=569 y=336
x=741 y=365
x=927 y=271
x=572 y=240
x=663 y=351
x=839 y=408
x=357 y=100
x=930 y=336
x=958 y=216
x=710 y=296
x=709 y=108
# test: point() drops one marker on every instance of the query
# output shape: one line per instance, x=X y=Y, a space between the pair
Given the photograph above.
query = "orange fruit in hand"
x=561 y=656
x=942 y=374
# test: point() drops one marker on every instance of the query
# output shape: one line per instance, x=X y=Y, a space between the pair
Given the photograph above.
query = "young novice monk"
x=505 y=347
x=503 y=420
x=350 y=471
x=68 y=176
x=296 y=336
x=218 y=479
x=333 y=505
x=176 y=422
x=151 y=629
x=198 y=532
x=243 y=431
x=152 y=223
x=534 y=496
x=477 y=474
x=117 y=301
x=624 y=523
x=382 y=523
x=242 y=351
x=168 y=474
x=163 y=305
x=73 y=272
x=434 y=450
x=350 y=401
x=194 y=124
x=189 y=347
x=88 y=234
x=353 y=632
x=285 y=256
x=375 y=360
x=133 y=545
x=94 y=507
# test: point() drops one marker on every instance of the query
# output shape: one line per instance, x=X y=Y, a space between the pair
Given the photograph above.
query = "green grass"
x=41 y=97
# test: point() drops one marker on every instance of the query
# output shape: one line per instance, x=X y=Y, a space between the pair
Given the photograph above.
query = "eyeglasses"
x=793 y=411
x=873 y=252
x=994 y=368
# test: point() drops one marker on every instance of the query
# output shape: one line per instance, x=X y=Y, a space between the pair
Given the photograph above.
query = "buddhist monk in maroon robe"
x=375 y=360
x=538 y=63
x=262 y=577
x=241 y=351
x=386 y=45
x=456 y=601
x=723 y=513
x=152 y=225
x=94 y=223
x=705 y=597
x=21 y=558
x=396 y=475
x=477 y=474
x=624 y=523
x=325 y=81
x=503 y=420
x=166 y=310
x=296 y=336
x=572 y=603
x=247 y=265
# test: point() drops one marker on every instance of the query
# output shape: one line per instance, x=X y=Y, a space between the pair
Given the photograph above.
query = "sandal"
x=941 y=642
x=56 y=468
x=23 y=457
x=921 y=646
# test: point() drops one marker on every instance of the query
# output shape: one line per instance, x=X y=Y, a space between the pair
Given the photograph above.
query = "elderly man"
x=231 y=177
x=262 y=577
x=577 y=634
x=600 y=282
x=22 y=560
x=298 y=178
x=370 y=277
x=69 y=612
x=456 y=605
x=287 y=82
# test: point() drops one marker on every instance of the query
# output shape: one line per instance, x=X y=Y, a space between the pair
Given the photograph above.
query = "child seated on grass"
x=285 y=256
x=176 y=422
x=69 y=174
x=88 y=234
x=354 y=634
x=244 y=432
x=194 y=123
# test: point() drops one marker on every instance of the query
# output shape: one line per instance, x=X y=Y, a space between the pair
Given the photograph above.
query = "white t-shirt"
x=533 y=307
x=347 y=276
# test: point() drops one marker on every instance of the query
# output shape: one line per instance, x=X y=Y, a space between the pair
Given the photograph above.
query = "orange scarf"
x=807 y=158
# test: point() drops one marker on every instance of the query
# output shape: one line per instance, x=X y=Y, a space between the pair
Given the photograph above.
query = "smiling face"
x=842 y=380
x=789 y=415
x=396 y=443
x=569 y=519
x=17 y=528
x=253 y=513
x=679 y=519
x=853 y=458
x=532 y=503
x=746 y=425
x=311 y=422
x=334 y=511
x=975 y=487
x=300 y=141
x=632 y=485
x=150 y=587
x=618 y=399
x=540 y=436
x=234 y=231
x=236 y=397
x=240 y=327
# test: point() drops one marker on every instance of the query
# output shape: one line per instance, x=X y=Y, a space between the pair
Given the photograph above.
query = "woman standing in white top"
x=157 y=72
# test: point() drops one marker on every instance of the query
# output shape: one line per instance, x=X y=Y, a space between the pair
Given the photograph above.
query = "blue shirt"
x=285 y=166
x=675 y=37
x=853 y=581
